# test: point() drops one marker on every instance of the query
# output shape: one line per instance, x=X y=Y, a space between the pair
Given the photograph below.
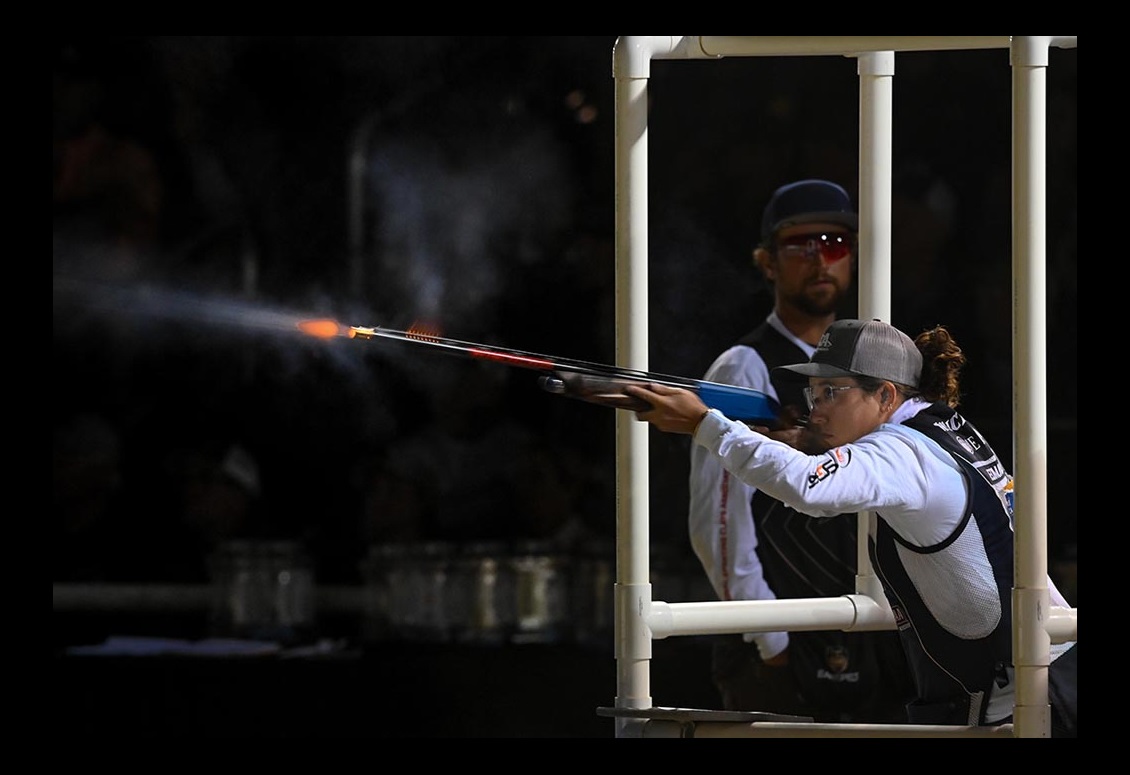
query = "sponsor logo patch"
x=833 y=461
x=901 y=622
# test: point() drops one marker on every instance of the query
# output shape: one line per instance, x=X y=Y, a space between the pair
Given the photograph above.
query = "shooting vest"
x=954 y=662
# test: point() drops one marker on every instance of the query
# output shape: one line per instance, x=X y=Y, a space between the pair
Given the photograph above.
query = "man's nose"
x=821 y=258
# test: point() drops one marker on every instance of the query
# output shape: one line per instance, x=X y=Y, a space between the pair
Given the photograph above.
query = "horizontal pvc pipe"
x=804 y=45
x=659 y=728
x=734 y=616
x=1063 y=624
x=783 y=729
x=847 y=613
x=632 y=54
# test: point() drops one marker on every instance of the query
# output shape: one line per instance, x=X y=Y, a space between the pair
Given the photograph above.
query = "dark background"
x=210 y=192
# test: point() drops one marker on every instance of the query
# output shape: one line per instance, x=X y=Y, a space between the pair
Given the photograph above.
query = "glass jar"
x=262 y=590
x=541 y=593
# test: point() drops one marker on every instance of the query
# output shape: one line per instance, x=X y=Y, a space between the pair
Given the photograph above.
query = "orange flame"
x=324 y=328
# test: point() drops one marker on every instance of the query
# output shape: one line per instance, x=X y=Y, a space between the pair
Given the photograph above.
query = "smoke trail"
x=148 y=302
x=448 y=229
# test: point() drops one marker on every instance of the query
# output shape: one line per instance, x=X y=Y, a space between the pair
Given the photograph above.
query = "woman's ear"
x=887 y=395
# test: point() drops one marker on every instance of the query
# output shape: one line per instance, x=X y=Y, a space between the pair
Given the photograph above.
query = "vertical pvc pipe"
x=876 y=78
x=1030 y=598
x=633 y=588
x=876 y=87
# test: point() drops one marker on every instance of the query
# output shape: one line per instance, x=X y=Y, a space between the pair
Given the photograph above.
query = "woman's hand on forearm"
x=673 y=410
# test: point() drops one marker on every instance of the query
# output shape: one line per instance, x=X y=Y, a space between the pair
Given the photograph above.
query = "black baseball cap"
x=808 y=201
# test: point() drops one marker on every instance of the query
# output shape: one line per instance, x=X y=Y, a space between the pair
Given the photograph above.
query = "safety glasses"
x=824 y=395
x=830 y=246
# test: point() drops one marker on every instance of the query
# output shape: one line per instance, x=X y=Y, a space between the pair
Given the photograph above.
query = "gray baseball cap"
x=859 y=348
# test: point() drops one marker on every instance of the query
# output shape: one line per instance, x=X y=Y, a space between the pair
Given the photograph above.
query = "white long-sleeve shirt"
x=720 y=523
x=909 y=478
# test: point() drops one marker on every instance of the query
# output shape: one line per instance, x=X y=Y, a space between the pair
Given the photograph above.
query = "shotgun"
x=592 y=382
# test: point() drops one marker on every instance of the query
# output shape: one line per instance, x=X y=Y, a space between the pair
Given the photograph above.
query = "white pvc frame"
x=639 y=619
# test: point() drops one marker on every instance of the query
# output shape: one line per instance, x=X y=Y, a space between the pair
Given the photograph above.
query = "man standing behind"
x=755 y=548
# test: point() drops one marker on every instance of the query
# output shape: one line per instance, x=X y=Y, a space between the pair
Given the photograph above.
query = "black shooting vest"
x=954 y=668
x=802 y=556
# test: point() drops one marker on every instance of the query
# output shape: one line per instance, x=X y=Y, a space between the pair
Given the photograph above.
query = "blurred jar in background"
x=263 y=590
x=481 y=594
x=541 y=593
x=408 y=591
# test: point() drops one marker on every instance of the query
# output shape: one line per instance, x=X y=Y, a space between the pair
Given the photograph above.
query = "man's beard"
x=818 y=307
